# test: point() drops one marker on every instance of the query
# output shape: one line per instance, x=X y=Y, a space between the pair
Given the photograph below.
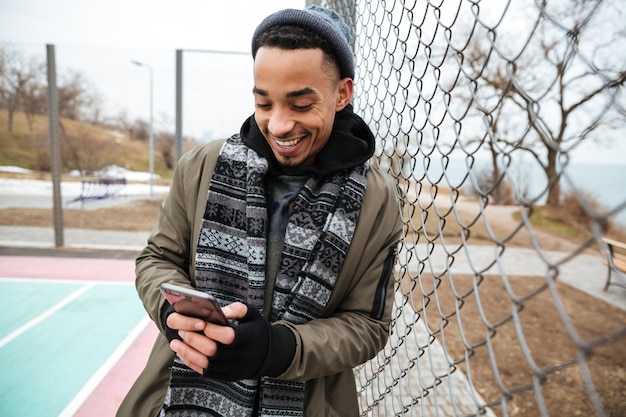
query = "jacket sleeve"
x=168 y=254
x=355 y=325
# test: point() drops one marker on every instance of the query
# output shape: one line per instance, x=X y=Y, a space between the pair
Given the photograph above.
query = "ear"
x=344 y=94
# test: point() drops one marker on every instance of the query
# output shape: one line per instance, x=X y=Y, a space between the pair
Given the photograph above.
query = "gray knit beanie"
x=327 y=23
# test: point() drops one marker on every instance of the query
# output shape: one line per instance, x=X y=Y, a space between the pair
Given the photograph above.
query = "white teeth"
x=287 y=143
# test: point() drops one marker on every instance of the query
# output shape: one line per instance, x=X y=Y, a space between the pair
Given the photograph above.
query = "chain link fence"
x=485 y=112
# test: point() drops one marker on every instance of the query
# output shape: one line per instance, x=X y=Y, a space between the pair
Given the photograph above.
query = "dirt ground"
x=136 y=216
x=496 y=333
x=567 y=332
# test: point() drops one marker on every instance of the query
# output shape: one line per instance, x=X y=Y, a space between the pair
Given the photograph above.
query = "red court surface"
x=108 y=395
x=96 y=269
x=103 y=394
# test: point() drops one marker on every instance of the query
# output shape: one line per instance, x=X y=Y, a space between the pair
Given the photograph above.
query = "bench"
x=99 y=189
x=616 y=259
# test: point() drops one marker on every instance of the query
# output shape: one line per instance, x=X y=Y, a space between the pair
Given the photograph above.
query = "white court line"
x=17 y=332
x=104 y=369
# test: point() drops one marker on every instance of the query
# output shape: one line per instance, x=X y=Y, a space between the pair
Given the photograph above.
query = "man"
x=291 y=229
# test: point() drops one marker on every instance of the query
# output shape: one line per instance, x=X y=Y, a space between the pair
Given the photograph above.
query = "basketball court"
x=73 y=335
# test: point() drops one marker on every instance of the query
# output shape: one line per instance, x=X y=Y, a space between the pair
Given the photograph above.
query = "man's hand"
x=200 y=339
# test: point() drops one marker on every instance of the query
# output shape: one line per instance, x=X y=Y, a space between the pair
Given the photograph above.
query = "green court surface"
x=55 y=335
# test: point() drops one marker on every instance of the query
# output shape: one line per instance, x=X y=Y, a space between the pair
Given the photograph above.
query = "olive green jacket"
x=355 y=324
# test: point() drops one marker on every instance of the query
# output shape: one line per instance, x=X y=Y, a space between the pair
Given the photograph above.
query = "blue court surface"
x=59 y=339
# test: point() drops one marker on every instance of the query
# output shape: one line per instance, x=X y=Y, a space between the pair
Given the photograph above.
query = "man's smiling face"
x=296 y=97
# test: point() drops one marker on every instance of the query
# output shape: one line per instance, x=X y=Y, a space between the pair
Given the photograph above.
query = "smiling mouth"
x=288 y=143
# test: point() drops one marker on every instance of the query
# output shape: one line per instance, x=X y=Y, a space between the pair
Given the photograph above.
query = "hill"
x=85 y=147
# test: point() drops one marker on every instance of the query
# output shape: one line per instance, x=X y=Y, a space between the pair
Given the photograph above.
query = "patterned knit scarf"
x=230 y=263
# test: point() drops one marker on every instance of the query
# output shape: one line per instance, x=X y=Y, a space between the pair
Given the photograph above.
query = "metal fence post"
x=55 y=152
x=179 y=103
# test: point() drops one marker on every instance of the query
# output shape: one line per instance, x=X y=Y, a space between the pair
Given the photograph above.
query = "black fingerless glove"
x=170 y=334
x=259 y=349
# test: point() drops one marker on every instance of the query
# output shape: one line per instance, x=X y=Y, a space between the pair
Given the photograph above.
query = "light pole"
x=151 y=132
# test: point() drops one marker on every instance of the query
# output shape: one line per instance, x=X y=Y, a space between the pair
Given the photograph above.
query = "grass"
x=571 y=220
x=433 y=218
x=95 y=146
x=541 y=218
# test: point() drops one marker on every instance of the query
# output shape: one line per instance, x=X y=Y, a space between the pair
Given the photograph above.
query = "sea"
x=604 y=183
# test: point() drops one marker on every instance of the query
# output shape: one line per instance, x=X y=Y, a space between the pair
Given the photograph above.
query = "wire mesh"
x=486 y=113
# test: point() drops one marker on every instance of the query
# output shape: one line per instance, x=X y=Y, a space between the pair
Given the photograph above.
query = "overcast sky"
x=158 y=24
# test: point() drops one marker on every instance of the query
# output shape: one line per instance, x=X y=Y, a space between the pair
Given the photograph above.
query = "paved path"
x=584 y=271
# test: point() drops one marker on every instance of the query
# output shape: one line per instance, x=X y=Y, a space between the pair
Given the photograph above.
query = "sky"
x=156 y=24
x=100 y=39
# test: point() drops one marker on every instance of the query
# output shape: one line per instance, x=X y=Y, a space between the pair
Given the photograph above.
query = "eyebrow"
x=302 y=92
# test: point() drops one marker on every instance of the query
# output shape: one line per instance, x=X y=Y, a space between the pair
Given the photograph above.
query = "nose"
x=280 y=122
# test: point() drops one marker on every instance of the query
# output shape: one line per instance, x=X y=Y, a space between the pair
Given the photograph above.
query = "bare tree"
x=17 y=75
x=86 y=150
x=34 y=100
x=23 y=86
x=138 y=130
x=78 y=99
x=563 y=87
x=164 y=142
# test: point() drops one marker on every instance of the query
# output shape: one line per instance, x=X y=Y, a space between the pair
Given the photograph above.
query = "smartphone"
x=194 y=303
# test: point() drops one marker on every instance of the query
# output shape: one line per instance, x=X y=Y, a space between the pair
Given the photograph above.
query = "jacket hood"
x=351 y=143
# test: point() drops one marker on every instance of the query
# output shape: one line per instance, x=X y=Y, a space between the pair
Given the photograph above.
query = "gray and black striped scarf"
x=230 y=263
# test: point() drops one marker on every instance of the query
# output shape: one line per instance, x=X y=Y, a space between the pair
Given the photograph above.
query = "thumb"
x=235 y=311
